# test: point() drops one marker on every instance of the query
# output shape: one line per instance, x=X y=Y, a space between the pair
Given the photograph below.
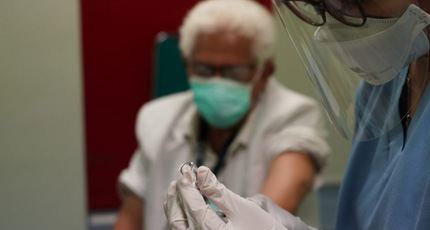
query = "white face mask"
x=378 y=50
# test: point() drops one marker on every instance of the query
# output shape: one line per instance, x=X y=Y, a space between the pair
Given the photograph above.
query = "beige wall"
x=291 y=73
x=41 y=117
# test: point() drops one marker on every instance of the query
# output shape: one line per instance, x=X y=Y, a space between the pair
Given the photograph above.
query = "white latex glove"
x=258 y=213
x=173 y=210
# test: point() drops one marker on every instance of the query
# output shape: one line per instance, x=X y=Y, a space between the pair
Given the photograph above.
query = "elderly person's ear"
x=269 y=69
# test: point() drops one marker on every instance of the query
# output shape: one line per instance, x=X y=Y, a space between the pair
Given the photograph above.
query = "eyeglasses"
x=349 y=12
x=241 y=73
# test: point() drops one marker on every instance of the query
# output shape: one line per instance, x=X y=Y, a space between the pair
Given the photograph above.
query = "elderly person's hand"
x=185 y=207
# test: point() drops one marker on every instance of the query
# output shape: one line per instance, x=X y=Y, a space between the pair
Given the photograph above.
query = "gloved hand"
x=191 y=211
x=173 y=210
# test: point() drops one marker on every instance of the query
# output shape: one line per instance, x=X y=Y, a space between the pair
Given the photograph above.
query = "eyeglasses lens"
x=237 y=73
x=306 y=11
x=346 y=11
x=202 y=70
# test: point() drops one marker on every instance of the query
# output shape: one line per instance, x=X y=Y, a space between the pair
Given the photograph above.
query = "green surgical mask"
x=221 y=102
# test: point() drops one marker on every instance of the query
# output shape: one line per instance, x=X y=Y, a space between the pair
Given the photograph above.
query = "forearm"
x=289 y=179
x=130 y=216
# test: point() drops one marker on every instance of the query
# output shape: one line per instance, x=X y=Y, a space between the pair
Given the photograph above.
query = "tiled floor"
x=328 y=196
x=102 y=220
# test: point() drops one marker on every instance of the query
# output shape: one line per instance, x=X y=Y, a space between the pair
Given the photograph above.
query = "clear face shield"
x=358 y=57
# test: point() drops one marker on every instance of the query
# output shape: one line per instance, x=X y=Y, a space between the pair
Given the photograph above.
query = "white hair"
x=244 y=17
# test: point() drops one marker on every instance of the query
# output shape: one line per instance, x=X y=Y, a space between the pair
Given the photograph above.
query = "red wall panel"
x=118 y=38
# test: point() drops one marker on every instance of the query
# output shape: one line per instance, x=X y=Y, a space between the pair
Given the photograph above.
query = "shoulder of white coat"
x=291 y=115
x=157 y=115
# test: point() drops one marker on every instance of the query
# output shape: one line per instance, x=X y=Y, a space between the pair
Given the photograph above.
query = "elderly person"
x=257 y=136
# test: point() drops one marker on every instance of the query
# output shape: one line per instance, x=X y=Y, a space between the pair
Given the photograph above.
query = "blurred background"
x=73 y=75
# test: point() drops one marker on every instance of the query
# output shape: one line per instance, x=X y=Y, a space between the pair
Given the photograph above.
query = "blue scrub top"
x=387 y=180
